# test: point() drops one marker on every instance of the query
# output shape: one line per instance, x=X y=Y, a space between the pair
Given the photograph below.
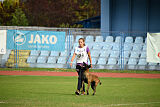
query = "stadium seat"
x=118 y=39
x=145 y=40
x=134 y=54
x=137 y=47
x=44 y=53
x=114 y=54
x=129 y=39
x=89 y=39
x=64 y=53
x=51 y=60
x=152 y=66
x=99 y=39
x=107 y=47
x=116 y=47
x=34 y=53
x=105 y=54
x=95 y=53
x=126 y=54
x=139 y=39
x=122 y=61
x=143 y=54
x=142 y=64
x=75 y=45
x=54 y=53
x=41 y=59
x=112 y=63
x=144 y=47
x=109 y=39
x=101 y=61
x=97 y=46
x=61 y=62
x=31 y=59
x=127 y=47
x=132 y=63
x=78 y=37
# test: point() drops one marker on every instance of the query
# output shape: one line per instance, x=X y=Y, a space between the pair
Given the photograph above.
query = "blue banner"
x=36 y=40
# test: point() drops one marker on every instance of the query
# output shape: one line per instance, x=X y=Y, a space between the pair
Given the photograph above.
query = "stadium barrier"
x=53 y=48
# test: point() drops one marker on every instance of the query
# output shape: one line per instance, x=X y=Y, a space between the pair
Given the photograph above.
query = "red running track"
x=46 y=73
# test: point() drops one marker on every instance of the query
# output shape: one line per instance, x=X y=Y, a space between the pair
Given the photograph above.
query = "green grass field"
x=51 y=91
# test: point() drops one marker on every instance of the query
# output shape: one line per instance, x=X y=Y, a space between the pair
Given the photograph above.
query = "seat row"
x=90 y=38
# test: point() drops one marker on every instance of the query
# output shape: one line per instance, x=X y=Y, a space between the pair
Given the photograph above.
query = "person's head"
x=81 y=42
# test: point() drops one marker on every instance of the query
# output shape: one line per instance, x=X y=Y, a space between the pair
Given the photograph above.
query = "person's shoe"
x=77 y=92
x=83 y=93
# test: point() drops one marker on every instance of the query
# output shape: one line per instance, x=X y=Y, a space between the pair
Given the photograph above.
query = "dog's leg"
x=96 y=83
x=88 y=88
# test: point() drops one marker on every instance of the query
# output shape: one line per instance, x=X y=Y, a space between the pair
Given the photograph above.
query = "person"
x=83 y=53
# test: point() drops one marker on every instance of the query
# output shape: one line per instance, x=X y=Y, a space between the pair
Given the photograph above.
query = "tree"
x=19 y=18
x=6 y=9
x=55 y=13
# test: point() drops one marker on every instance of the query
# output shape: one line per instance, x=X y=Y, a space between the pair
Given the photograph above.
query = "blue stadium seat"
x=97 y=46
x=109 y=39
x=31 y=59
x=51 y=60
x=138 y=40
x=144 y=47
x=94 y=61
x=152 y=66
x=118 y=39
x=54 y=53
x=99 y=39
x=137 y=47
x=64 y=53
x=101 y=61
x=112 y=64
x=112 y=61
x=116 y=47
x=145 y=40
x=127 y=47
x=107 y=47
x=34 y=53
x=142 y=61
x=41 y=59
x=78 y=37
x=122 y=61
x=134 y=54
x=143 y=54
x=132 y=63
x=62 y=60
x=114 y=54
x=126 y=54
x=89 y=39
x=95 y=53
x=44 y=53
x=105 y=54
x=129 y=39
x=75 y=45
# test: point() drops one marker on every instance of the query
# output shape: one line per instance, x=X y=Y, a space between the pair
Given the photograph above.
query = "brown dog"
x=90 y=79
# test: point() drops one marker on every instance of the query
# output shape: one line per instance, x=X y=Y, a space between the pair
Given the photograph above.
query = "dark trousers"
x=80 y=78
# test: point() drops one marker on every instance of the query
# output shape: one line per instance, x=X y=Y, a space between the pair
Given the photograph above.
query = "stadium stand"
x=105 y=53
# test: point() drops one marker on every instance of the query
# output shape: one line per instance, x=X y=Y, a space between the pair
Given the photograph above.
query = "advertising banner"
x=153 y=47
x=3 y=41
x=36 y=40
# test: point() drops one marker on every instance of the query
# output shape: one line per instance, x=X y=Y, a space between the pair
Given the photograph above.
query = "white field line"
x=133 y=104
x=2 y=102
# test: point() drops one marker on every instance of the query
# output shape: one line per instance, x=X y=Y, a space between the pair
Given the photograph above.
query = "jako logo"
x=19 y=38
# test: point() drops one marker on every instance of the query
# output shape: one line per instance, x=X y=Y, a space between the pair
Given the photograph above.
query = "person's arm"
x=74 y=55
x=90 y=59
